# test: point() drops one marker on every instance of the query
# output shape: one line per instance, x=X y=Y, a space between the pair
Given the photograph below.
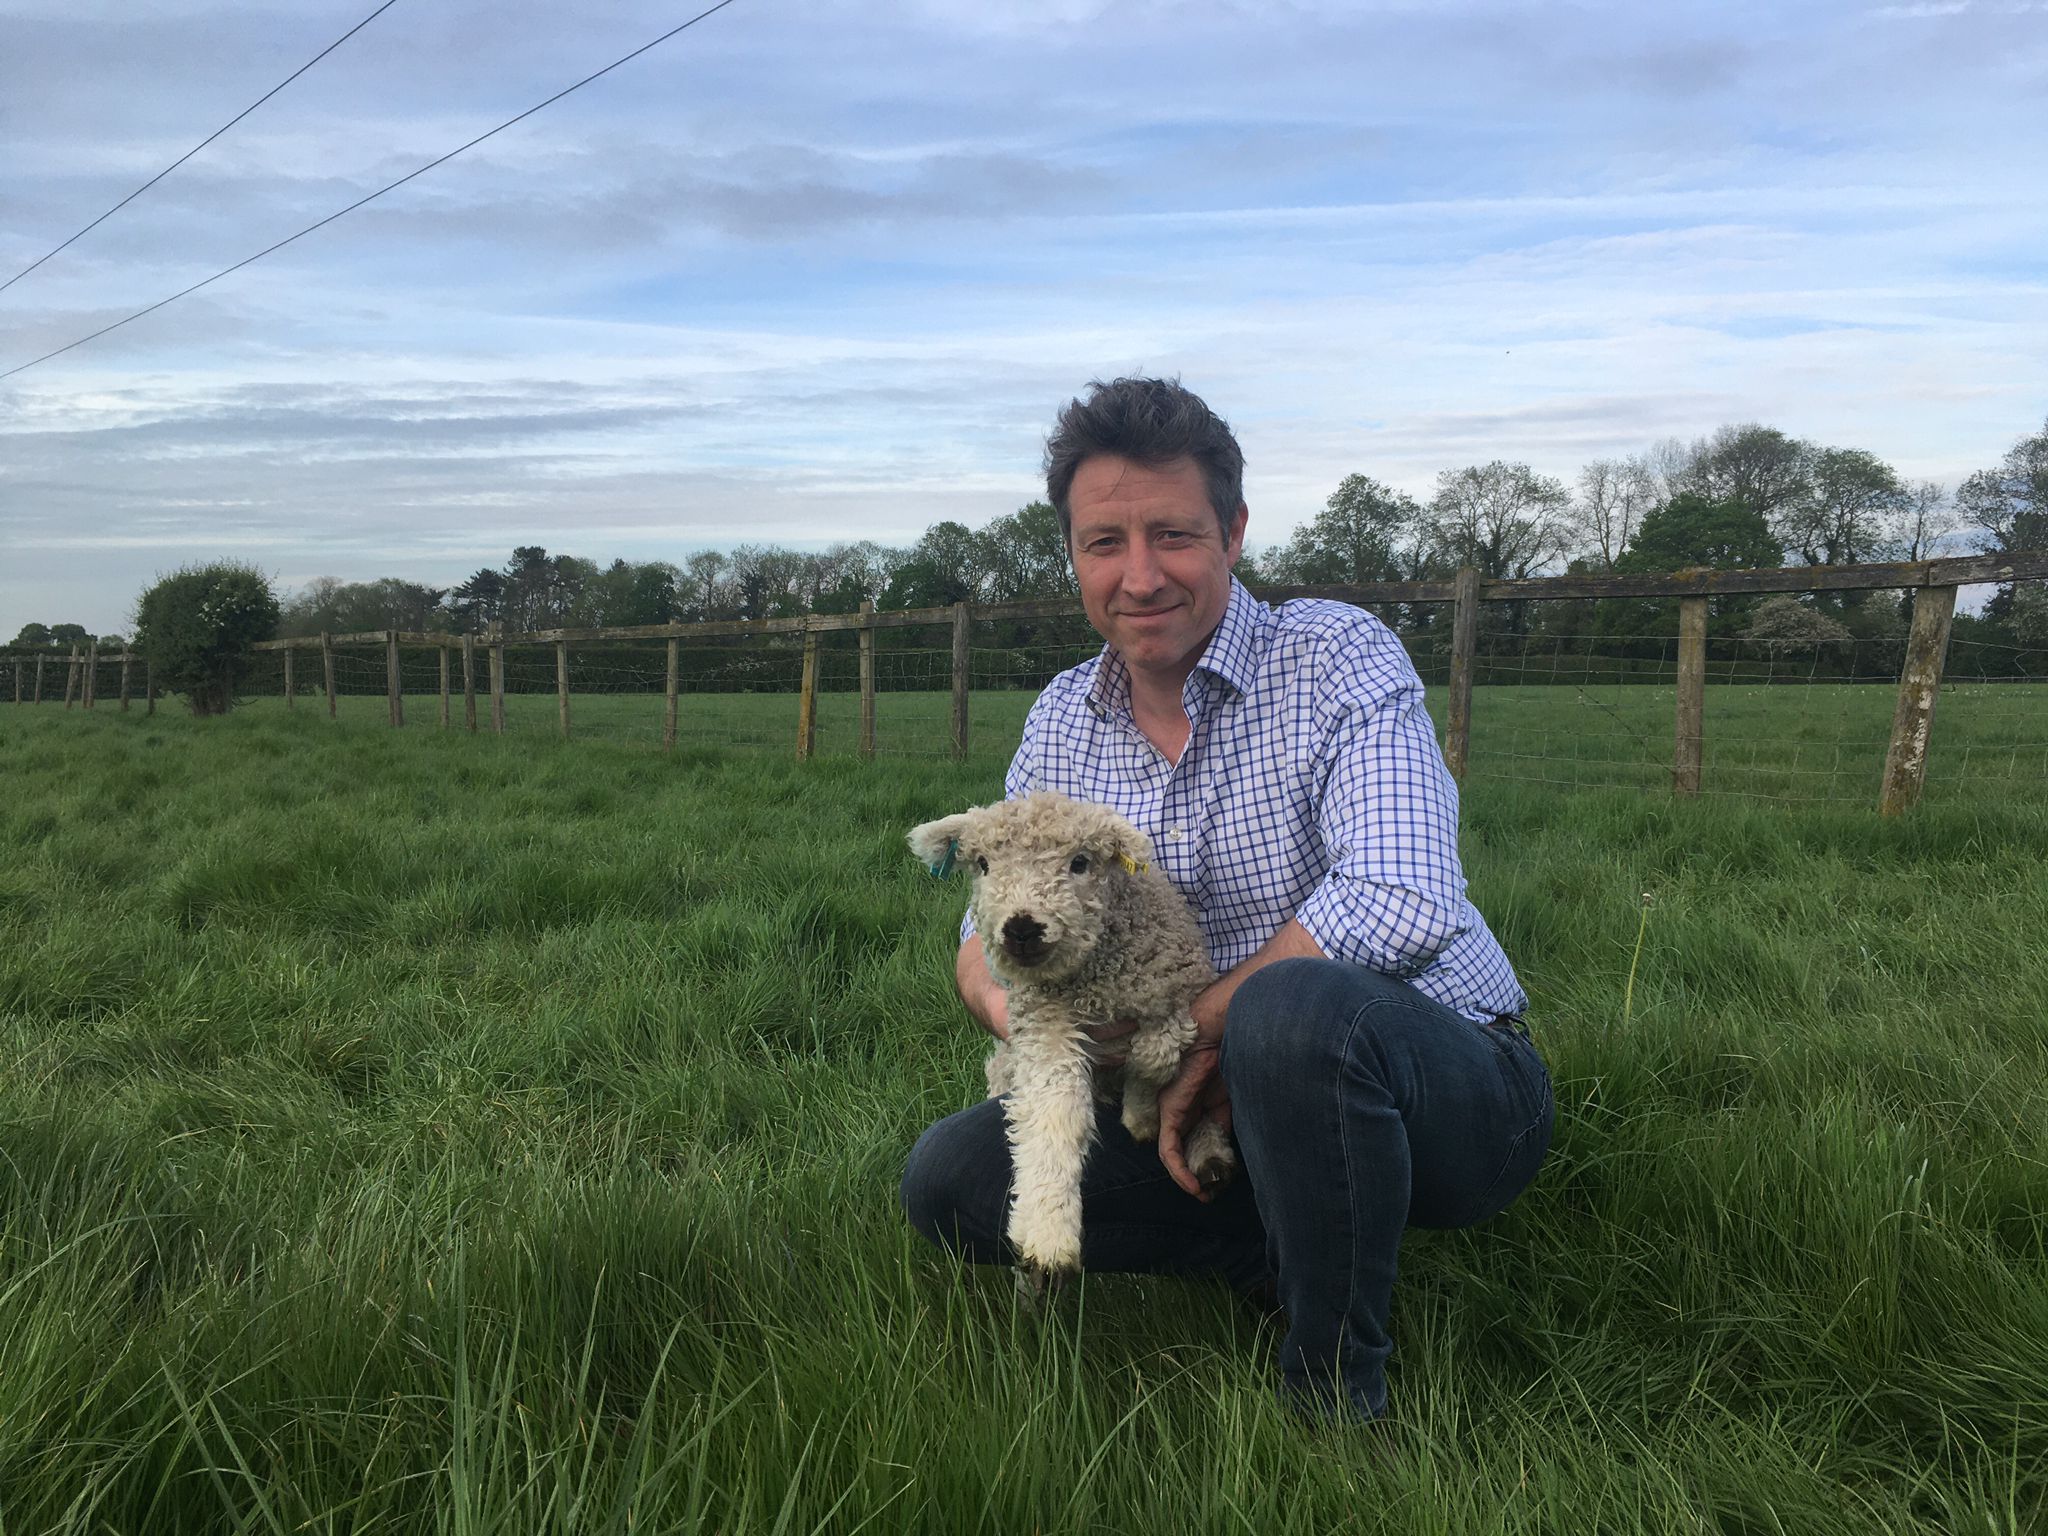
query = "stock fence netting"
x=1568 y=693
x=1563 y=694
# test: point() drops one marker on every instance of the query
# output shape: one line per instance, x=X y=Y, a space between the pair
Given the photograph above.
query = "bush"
x=196 y=626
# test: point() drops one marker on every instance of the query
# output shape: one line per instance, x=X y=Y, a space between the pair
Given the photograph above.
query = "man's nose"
x=1142 y=576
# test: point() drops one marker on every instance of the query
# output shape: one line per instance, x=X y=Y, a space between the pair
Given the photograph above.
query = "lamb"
x=1082 y=930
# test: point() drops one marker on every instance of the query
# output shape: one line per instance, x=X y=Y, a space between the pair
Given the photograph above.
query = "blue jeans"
x=1360 y=1108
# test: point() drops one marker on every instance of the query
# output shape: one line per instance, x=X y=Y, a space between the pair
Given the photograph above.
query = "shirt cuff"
x=1386 y=928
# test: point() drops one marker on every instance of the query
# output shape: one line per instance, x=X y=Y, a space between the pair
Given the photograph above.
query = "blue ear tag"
x=945 y=866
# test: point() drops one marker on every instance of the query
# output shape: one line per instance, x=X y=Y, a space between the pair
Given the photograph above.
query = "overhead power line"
x=359 y=202
x=223 y=128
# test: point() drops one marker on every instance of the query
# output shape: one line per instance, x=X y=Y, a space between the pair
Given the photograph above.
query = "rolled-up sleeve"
x=1393 y=898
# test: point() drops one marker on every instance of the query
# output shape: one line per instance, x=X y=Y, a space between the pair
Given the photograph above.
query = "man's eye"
x=981 y=862
x=1080 y=864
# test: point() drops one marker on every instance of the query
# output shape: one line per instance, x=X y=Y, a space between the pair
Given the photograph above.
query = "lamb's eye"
x=1080 y=864
x=981 y=863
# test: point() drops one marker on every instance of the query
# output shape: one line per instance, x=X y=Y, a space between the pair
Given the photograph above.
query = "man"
x=1364 y=1042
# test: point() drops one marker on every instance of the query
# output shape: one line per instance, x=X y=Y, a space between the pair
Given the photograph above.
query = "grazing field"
x=408 y=1131
x=1786 y=741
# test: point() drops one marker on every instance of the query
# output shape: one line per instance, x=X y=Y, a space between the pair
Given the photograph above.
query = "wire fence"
x=1562 y=691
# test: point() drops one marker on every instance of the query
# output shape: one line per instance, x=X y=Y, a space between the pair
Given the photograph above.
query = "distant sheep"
x=1082 y=930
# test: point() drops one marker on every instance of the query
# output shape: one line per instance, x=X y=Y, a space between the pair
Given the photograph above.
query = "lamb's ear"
x=1128 y=846
x=937 y=843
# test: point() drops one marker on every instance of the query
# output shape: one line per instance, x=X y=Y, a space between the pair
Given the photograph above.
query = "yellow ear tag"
x=1131 y=865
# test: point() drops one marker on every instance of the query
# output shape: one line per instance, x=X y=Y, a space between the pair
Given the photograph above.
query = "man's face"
x=1152 y=561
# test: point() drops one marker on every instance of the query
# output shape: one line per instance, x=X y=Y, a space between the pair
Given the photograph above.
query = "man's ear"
x=1233 y=536
x=937 y=842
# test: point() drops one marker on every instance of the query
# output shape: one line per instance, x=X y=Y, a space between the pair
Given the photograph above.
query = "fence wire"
x=1560 y=697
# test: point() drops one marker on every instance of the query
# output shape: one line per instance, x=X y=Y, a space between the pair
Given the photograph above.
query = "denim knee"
x=928 y=1202
x=1287 y=1019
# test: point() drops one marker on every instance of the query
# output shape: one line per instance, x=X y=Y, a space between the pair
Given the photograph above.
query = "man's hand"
x=1196 y=1093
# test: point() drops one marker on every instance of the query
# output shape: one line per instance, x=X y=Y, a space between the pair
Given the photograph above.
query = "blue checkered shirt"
x=1311 y=787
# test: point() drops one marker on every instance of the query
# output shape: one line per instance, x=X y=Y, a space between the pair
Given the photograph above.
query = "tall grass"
x=414 y=1132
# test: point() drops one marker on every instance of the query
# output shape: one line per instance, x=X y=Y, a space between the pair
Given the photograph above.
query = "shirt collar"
x=1231 y=656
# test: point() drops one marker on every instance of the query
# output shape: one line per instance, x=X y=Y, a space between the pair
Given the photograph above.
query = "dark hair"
x=1151 y=422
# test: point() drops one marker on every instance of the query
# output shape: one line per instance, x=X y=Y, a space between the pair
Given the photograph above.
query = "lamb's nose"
x=1023 y=932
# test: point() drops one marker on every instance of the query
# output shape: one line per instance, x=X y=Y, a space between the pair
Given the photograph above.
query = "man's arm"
x=1196 y=1091
x=981 y=992
x=1391 y=899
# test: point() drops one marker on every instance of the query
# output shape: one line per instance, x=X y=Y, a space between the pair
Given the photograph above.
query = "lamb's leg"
x=1051 y=1118
x=997 y=1070
x=1154 y=1058
x=1211 y=1158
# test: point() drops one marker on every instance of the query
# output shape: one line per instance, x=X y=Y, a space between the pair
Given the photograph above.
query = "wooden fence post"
x=290 y=702
x=327 y=668
x=127 y=656
x=562 y=683
x=39 y=682
x=867 y=677
x=1464 y=643
x=17 y=683
x=392 y=691
x=149 y=684
x=961 y=634
x=675 y=670
x=444 y=684
x=497 y=678
x=89 y=694
x=71 y=675
x=1905 y=760
x=1687 y=748
x=469 y=681
x=807 y=698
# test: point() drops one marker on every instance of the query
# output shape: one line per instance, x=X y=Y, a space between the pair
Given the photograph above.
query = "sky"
x=811 y=273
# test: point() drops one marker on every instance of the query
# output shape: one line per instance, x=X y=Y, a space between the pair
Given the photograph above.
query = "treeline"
x=1744 y=496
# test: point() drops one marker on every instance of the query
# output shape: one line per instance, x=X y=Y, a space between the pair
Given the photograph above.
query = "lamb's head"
x=1045 y=869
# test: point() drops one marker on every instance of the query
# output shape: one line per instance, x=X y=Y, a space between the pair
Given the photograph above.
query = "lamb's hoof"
x=1036 y=1282
x=1215 y=1172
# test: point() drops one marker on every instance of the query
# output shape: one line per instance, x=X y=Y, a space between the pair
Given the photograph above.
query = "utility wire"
x=223 y=128
x=352 y=207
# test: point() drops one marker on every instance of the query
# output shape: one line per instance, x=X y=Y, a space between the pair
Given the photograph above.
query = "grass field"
x=1785 y=742
x=407 y=1131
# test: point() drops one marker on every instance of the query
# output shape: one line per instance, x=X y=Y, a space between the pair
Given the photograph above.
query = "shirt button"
x=1173 y=835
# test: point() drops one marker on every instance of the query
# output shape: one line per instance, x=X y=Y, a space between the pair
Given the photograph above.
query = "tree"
x=1783 y=626
x=2028 y=614
x=70 y=634
x=1504 y=519
x=1751 y=465
x=941 y=570
x=1690 y=530
x=1842 y=509
x=1358 y=536
x=196 y=627
x=1023 y=554
x=1922 y=517
x=2008 y=506
x=478 y=601
x=704 y=579
x=1614 y=495
x=34 y=636
x=767 y=581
